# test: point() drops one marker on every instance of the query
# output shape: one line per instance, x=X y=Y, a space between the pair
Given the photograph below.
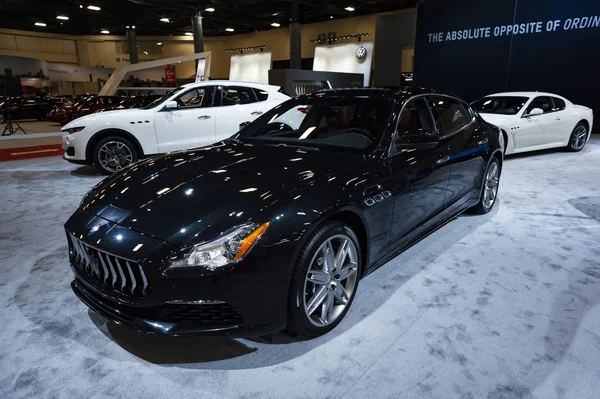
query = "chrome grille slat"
x=133 y=280
x=121 y=274
x=104 y=267
x=109 y=269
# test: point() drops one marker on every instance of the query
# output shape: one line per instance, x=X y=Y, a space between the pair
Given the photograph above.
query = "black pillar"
x=133 y=55
x=295 y=44
x=198 y=37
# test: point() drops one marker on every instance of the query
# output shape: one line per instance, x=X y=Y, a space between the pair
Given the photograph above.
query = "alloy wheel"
x=330 y=280
x=490 y=190
x=579 y=138
x=114 y=156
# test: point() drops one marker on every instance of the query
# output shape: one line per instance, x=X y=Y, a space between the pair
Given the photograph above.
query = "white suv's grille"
x=122 y=275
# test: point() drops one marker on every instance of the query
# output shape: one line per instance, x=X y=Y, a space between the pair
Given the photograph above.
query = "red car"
x=86 y=106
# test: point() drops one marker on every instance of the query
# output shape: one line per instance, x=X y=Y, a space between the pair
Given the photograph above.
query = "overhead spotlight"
x=159 y=43
x=133 y=27
x=349 y=8
x=165 y=20
x=331 y=17
x=145 y=53
x=230 y=29
x=64 y=18
x=188 y=34
x=40 y=24
x=275 y=14
x=81 y=6
x=275 y=24
x=127 y=27
x=105 y=32
x=93 y=8
x=209 y=9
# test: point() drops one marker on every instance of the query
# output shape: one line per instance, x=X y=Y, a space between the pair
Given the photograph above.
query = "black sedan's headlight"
x=229 y=248
x=74 y=129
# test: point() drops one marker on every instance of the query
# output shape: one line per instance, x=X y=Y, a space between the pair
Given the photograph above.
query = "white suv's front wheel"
x=112 y=154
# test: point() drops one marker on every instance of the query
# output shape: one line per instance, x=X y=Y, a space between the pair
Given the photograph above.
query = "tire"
x=578 y=138
x=336 y=286
x=112 y=154
x=489 y=186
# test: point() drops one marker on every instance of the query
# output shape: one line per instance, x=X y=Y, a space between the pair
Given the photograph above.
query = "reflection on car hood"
x=194 y=196
x=498 y=119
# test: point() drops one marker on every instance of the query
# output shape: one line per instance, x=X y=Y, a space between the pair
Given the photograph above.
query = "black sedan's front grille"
x=123 y=275
x=217 y=313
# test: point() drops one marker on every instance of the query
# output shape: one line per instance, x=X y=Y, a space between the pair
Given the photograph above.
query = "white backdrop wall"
x=251 y=67
x=342 y=58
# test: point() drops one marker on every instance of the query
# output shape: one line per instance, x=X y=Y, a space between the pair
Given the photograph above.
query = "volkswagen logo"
x=361 y=52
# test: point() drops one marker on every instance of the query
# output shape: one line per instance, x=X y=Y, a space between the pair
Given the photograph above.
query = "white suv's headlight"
x=230 y=248
x=74 y=129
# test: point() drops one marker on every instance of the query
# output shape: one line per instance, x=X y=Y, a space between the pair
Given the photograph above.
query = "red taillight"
x=304 y=110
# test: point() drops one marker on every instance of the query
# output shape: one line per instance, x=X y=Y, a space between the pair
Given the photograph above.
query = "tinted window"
x=416 y=114
x=197 y=98
x=452 y=113
x=237 y=95
x=499 y=105
x=544 y=103
x=328 y=122
x=261 y=94
x=559 y=104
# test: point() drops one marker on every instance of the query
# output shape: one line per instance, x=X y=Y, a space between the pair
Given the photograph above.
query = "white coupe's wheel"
x=578 y=138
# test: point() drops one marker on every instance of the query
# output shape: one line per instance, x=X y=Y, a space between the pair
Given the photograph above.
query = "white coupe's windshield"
x=505 y=105
x=344 y=122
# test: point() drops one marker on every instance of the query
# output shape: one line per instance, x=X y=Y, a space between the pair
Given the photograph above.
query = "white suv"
x=191 y=116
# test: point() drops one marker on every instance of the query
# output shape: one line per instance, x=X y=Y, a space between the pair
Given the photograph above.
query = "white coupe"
x=532 y=121
x=192 y=115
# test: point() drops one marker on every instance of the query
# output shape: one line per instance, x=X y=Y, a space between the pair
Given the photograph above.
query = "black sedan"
x=275 y=226
x=19 y=108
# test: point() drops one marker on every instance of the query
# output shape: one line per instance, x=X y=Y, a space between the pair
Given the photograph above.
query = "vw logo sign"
x=361 y=52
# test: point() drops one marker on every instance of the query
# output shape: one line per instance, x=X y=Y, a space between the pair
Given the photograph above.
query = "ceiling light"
x=145 y=53
x=229 y=29
x=159 y=43
x=275 y=24
x=210 y=9
x=104 y=31
x=275 y=14
x=81 y=6
x=64 y=18
x=40 y=24
x=349 y=8
x=133 y=27
x=93 y=8
x=189 y=34
x=331 y=17
x=165 y=20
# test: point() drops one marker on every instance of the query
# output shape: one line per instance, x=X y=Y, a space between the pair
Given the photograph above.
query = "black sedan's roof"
x=398 y=93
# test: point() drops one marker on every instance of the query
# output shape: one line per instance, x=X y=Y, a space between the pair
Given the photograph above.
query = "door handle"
x=204 y=117
x=443 y=160
x=256 y=113
x=557 y=118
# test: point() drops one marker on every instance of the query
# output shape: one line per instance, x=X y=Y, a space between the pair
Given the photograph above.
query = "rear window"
x=261 y=95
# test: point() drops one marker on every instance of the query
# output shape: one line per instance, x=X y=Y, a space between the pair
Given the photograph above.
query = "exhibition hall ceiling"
x=163 y=17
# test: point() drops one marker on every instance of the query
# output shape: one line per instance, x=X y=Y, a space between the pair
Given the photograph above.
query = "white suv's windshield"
x=342 y=122
x=159 y=100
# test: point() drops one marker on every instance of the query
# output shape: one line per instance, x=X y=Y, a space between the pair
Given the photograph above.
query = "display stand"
x=11 y=127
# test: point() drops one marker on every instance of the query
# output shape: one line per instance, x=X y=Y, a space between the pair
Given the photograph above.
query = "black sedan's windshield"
x=508 y=105
x=343 y=122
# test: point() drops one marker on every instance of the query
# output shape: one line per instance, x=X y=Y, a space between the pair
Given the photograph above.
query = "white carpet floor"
x=504 y=305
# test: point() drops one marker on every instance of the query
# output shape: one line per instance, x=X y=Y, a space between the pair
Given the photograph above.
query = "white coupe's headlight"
x=229 y=248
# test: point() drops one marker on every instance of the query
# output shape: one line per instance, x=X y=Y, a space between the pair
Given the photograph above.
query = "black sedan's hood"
x=194 y=196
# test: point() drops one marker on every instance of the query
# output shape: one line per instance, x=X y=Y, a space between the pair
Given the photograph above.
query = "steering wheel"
x=363 y=132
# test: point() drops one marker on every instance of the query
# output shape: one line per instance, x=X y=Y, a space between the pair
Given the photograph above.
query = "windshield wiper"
x=284 y=145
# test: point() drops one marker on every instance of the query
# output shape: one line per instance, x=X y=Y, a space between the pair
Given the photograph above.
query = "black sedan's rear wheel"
x=489 y=189
x=112 y=154
x=324 y=280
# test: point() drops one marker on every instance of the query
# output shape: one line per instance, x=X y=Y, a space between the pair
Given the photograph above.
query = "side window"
x=237 y=95
x=416 y=114
x=544 y=103
x=559 y=105
x=261 y=95
x=197 y=98
x=452 y=114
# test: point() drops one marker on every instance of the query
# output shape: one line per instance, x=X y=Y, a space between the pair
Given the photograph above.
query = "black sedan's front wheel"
x=324 y=280
x=489 y=189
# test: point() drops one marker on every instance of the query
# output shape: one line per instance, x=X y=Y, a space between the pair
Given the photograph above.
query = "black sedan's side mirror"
x=418 y=139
